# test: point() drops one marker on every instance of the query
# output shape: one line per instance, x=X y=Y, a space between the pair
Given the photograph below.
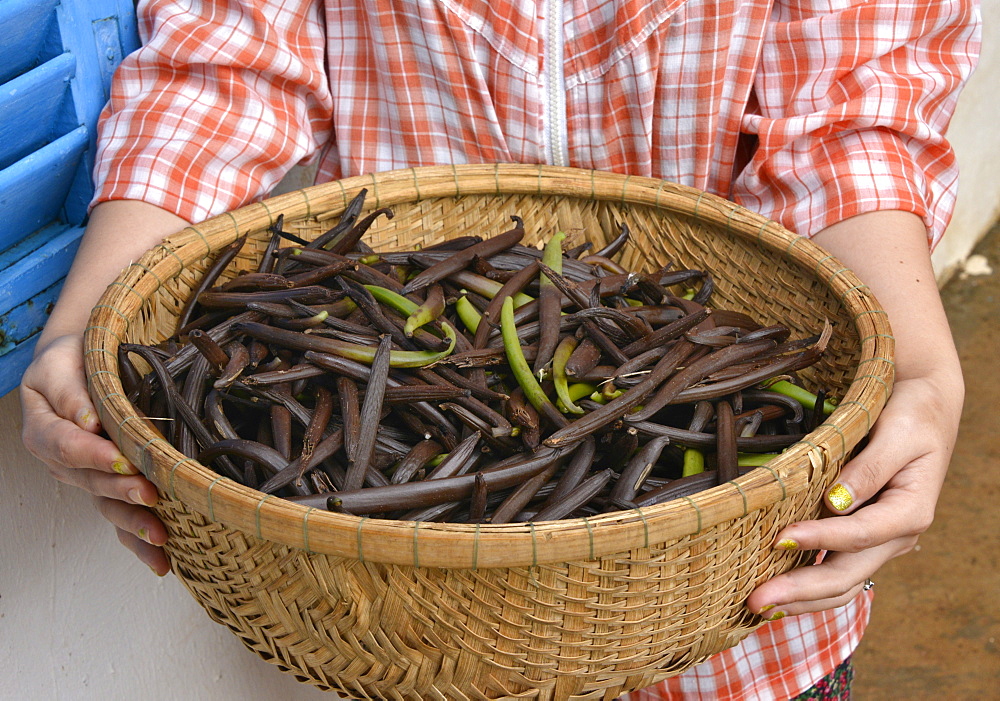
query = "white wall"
x=81 y=619
x=976 y=137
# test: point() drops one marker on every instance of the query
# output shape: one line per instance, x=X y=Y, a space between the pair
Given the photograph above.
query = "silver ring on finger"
x=868 y=584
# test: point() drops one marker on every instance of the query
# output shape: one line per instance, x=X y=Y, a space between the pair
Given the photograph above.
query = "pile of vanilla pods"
x=478 y=380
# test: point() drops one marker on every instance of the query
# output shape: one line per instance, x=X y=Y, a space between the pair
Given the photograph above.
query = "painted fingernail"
x=135 y=496
x=787 y=544
x=144 y=534
x=765 y=609
x=839 y=497
x=87 y=419
x=153 y=570
x=776 y=616
x=122 y=466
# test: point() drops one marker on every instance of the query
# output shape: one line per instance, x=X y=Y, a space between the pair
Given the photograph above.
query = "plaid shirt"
x=808 y=111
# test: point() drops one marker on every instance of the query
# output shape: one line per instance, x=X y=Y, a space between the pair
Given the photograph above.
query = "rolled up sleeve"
x=853 y=102
x=220 y=102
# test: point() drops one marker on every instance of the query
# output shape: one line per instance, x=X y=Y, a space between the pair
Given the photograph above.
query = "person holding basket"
x=827 y=117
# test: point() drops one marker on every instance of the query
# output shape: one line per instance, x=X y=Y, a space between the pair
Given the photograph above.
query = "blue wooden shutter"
x=56 y=61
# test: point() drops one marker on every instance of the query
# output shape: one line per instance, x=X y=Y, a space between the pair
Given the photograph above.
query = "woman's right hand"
x=60 y=424
x=62 y=429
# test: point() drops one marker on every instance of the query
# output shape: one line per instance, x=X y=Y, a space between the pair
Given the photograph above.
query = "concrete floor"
x=935 y=630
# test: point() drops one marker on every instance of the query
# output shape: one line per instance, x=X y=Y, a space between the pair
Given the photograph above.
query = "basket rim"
x=475 y=546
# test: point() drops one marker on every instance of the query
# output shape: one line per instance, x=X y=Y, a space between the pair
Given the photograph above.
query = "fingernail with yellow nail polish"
x=776 y=616
x=86 y=419
x=122 y=466
x=787 y=544
x=144 y=534
x=839 y=497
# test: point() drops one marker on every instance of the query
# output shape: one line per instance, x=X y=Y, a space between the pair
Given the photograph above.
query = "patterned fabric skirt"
x=836 y=686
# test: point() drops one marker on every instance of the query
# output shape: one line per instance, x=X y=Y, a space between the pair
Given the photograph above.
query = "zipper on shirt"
x=555 y=136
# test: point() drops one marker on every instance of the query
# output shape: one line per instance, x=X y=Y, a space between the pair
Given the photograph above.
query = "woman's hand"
x=889 y=491
x=885 y=497
x=60 y=424
x=61 y=428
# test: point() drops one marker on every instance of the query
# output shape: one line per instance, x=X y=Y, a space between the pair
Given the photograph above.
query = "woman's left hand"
x=885 y=497
x=883 y=500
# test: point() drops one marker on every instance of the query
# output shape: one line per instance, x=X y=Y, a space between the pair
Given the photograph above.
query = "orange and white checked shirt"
x=807 y=111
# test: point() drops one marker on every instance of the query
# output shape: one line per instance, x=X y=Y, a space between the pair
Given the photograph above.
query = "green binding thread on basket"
x=375 y=192
x=211 y=502
x=878 y=379
x=868 y=414
x=114 y=309
x=829 y=280
x=475 y=549
x=792 y=244
x=843 y=441
x=173 y=469
x=171 y=251
x=129 y=288
x=590 y=535
x=697 y=510
x=746 y=508
x=159 y=282
x=624 y=202
x=877 y=358
x=106 y=330
x=416 y=548
x=777 y=477
x=820 y=263
x=361 y=550
x=343 y=197
x=877 y=335
x=236 y=224
x=870 y=311
x=260 y=503
x=645 y=526
x=208 y=246
x=101 y=350
x=760 y=231
x=851 y=289
x=729 y=219
x=697 y=202
x=656 y=202
x=416 y=182
x=305 y=528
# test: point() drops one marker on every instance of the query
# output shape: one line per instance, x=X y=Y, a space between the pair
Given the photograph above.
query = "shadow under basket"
x=585 y=608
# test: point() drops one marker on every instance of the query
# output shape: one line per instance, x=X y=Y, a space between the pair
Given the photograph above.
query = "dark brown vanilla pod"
x=344 y=223
x=221 y=262
x=461 y=259
x=414 y=495
x=371 y=408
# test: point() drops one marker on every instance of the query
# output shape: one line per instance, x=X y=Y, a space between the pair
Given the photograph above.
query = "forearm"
x=118 y=233
x=888 y=251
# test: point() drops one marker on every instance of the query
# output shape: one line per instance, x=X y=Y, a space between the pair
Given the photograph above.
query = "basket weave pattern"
x=580 y=608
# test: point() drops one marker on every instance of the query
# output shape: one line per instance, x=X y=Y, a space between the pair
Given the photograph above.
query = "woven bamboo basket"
x=585 y=608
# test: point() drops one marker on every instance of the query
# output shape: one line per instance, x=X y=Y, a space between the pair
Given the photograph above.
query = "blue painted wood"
x=99 y=33
x=30 y=108
x=32 y=191
x=13 y=364
x=27 y=319
x=57 y=58
x=36 y=263
x=27 y=36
